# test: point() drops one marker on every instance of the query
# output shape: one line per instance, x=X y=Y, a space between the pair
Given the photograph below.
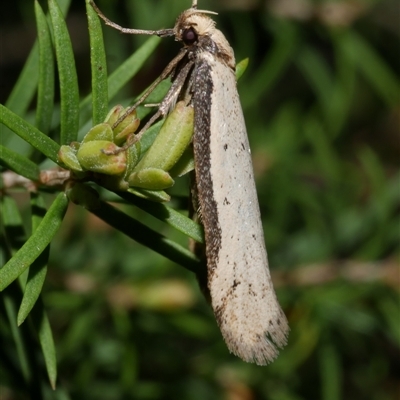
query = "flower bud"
x=92 y=157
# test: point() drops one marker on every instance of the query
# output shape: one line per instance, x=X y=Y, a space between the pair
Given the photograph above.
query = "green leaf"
x=19 y=164
x=341 y=99
x=15 y=235
x=43 y=328
x=45 y=97
x=29 y=133
x=317 y=72
x=38 y=269
x=69 y=92
x=375 y=70
x=331 y=373
x=11 y=311
x=36 y=244
x=147 y=237
x=120 y=77
x=274 y=64
x=390 y=311
x=123 y=74
x=159 y=196
x=23 y=91
x=241 y=68
x=12 y=222
x=98 y=66
x=169 y=216
x=327 y=159
x=149 y=136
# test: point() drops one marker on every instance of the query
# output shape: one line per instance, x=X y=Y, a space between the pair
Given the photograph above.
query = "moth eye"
x=189 y=36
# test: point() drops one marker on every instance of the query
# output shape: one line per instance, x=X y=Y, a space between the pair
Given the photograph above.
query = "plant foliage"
x=91 y=314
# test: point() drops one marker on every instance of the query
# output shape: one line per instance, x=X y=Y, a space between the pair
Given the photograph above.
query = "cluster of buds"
x=104 y=156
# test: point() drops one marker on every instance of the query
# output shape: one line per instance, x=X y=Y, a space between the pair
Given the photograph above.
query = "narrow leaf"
x=317 y=72
x=36 y=244
x=11 y=311
x=38 y=269
x=45 y=97
x=12 y=222
x=98 y=66
x=341 y=100
x=241 y=67
x=131 y=66
x=150 y=135
x=331 y=373
x=274 y=64
x=147 y=237
x=168 y=215
x=123 y=74
x=327 y=159
x=43 y=328
x=67 y=75
x=374 y=68
x=24 y=90
x=19 y=164
x=34 y=285
x=29 y=133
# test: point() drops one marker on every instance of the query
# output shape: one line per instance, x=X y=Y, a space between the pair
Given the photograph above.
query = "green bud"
x=172 y=140
x=75 y=146
x=184 y=165
x=132 y=157
x=67 y=155
x=151 y=178
x=99 y=132
x=91 y=156
x=114 y=114
x=126 y=127
x=125 y=133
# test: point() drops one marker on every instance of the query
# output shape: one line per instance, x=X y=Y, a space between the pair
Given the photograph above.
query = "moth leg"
x=169 y=69
x=163 y=108
x=160 y=33
x=166 y=104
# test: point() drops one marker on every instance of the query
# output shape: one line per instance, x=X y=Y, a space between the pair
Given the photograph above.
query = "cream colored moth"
x=251 y=321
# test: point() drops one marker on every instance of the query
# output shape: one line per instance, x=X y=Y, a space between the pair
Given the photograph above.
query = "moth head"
x=191 y=25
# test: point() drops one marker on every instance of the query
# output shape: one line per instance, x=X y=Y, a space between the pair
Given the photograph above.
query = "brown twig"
x=54 y=177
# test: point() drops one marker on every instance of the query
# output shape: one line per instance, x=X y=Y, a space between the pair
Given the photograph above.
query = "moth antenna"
x=160 y=33
x=194 y=5
x=206 y=12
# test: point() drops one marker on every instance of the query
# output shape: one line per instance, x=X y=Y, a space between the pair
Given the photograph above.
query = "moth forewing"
x=242 y=295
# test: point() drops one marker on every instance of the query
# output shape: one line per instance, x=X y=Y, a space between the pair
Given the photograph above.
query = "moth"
x=243 y=299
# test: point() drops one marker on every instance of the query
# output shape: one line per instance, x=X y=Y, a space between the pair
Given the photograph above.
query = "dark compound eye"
x=189 y=36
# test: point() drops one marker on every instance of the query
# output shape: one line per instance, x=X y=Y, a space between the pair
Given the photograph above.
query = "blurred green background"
x=321 y=101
